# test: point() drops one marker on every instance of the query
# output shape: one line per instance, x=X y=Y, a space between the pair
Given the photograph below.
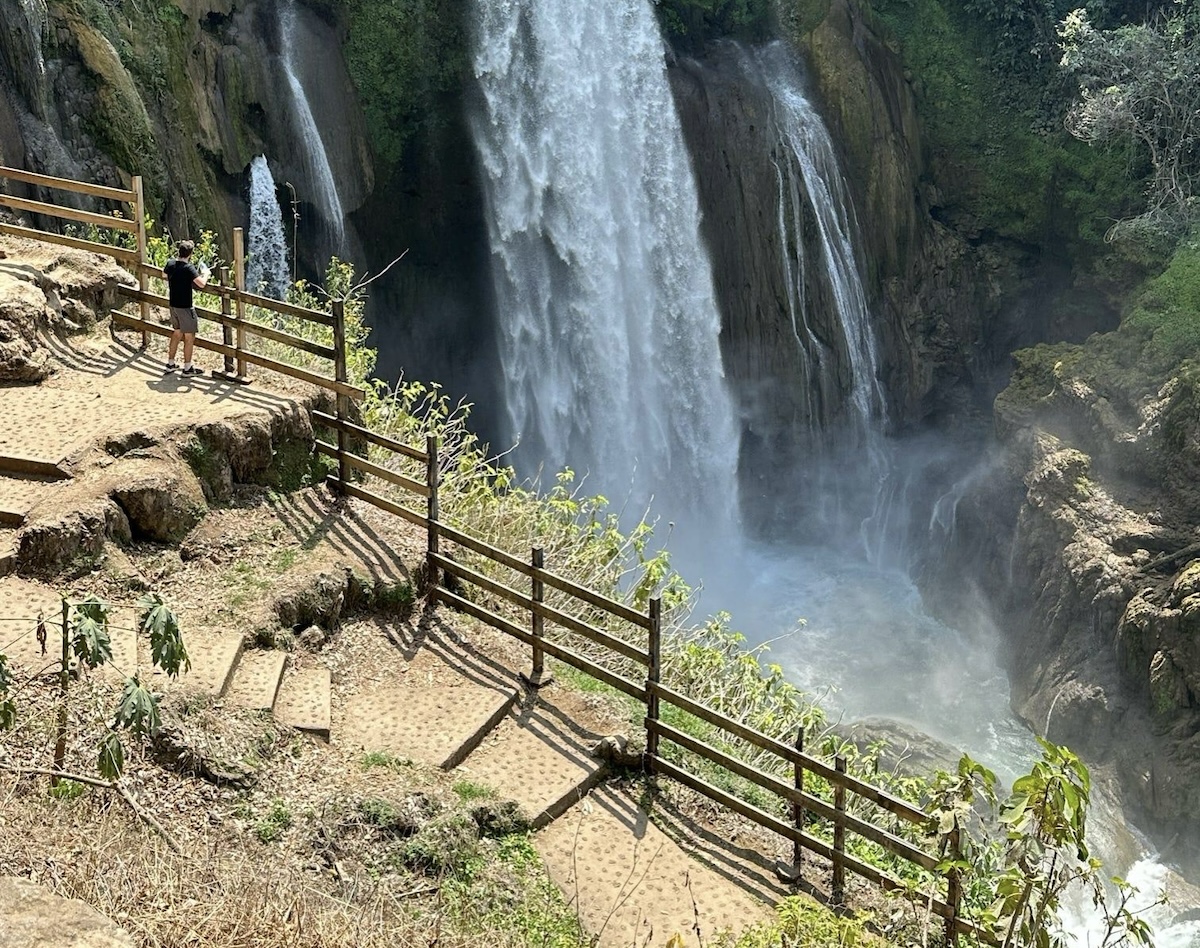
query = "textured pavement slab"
x=538 y=758
x=255 y=681
x=438 y=725
x=305 y=700
x=632 y=884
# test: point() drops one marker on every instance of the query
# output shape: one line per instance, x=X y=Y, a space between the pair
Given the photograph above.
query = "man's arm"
x=201 y=281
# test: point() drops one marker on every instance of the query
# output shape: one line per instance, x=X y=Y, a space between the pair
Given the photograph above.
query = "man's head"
x=185 y=249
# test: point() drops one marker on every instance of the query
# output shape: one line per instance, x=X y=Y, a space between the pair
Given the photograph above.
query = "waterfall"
x=852 y=481
x=267 y=269
x=315 y=156
x=609 y=327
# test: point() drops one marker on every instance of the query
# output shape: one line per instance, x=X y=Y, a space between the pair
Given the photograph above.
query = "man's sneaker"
x=171 y=367
x=192 y=370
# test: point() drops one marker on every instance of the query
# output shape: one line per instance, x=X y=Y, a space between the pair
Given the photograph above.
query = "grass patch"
x=511 y=894
x=67 y=790
x=381 y=759
x=272 y=826
x=469 y=790
x=801 y=923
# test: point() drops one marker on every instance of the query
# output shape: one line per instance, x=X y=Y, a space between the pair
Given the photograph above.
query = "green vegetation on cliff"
x=999 y=154
x=403 y=55
x=692 y=22
x=1156 y=341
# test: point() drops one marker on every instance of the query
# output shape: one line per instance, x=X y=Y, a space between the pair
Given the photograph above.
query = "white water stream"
x=608 y=337
x=267 y=269
x=320 y=179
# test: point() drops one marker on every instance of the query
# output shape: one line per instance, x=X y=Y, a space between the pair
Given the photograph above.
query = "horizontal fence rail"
x=639 y=671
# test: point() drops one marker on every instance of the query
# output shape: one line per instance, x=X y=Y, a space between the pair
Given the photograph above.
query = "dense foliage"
x=1001 y=159
x=403 y=55
x=1140 y=84
x=692 y=22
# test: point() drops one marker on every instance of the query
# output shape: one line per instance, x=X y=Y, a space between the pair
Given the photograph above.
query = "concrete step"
x=15 y=464
x=631 y=884
x=19 y=494
x=255 y=681
x=215 y=657
x=538 y=757
x=305 y=700
x=436 y=724
x=8 y=550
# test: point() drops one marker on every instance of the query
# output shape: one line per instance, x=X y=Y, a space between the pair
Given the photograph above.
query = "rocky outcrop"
x=31 y=916
x=186 y=99
x=1098 y=583
x=45 y=291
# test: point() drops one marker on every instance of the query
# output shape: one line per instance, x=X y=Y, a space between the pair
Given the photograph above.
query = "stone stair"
x=24 y=483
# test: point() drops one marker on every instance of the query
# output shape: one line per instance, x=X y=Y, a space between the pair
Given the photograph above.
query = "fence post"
x=953 y=889
x=839 y=835
x=798 y=809
x=432 y=480
x=653 y=678
x=226 y=329
x=340 y=374
x=536 y=677
x=239 y=282
x=139 y=216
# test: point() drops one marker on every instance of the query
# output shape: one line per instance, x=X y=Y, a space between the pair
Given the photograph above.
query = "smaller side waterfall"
x=318 y=170
x=267 y=269
x=849 y=483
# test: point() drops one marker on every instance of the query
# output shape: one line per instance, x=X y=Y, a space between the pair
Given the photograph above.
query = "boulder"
x=162 y=500
x=31 y=917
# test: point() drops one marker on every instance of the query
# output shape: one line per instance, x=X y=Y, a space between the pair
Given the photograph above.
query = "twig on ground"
x=113 y=785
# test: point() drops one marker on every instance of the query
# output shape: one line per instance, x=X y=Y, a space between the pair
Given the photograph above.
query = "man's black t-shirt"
x=180 y=274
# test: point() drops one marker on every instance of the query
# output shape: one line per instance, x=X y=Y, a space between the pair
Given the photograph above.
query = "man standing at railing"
x=183 y=277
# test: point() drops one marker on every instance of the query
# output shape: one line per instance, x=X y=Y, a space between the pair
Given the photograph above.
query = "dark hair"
x=185 y=248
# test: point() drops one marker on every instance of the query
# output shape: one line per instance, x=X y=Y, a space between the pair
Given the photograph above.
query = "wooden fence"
x=230 y=288
x=850 y=795
x=448 y=577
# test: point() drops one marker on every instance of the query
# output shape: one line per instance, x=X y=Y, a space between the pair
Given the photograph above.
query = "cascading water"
x=267 y=269
x=324 y=191
x=609 y=327
x=849 y=467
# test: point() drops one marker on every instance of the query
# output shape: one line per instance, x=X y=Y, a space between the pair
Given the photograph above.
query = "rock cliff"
x=183 y=94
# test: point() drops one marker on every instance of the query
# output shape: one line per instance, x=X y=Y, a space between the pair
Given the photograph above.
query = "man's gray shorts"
x=184 y=319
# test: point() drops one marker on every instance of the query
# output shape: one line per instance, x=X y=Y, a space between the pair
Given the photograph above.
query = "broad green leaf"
x=5 y=675
x=90 y=642
x=112 y=756
x=138 y=710
x=167 y=650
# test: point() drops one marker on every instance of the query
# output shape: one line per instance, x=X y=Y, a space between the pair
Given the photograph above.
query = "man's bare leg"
x=173 y=346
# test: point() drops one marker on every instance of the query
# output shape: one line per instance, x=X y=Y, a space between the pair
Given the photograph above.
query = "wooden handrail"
x=66 y=184
x=375 y=470
x=257 y=329
x=889 y=841
x=881 y=798
x=68 y=213
x=550 y=648
x=253 y=299
x=282 y=368
x=117 y=253
x=569 y=622
x=390 y=444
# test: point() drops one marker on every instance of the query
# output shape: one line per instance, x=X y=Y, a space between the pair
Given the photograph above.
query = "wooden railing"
x=448 y=579
x=850 y=795
x=235 y=301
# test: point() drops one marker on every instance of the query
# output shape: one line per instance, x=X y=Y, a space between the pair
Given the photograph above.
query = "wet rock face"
x=1103 y=608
